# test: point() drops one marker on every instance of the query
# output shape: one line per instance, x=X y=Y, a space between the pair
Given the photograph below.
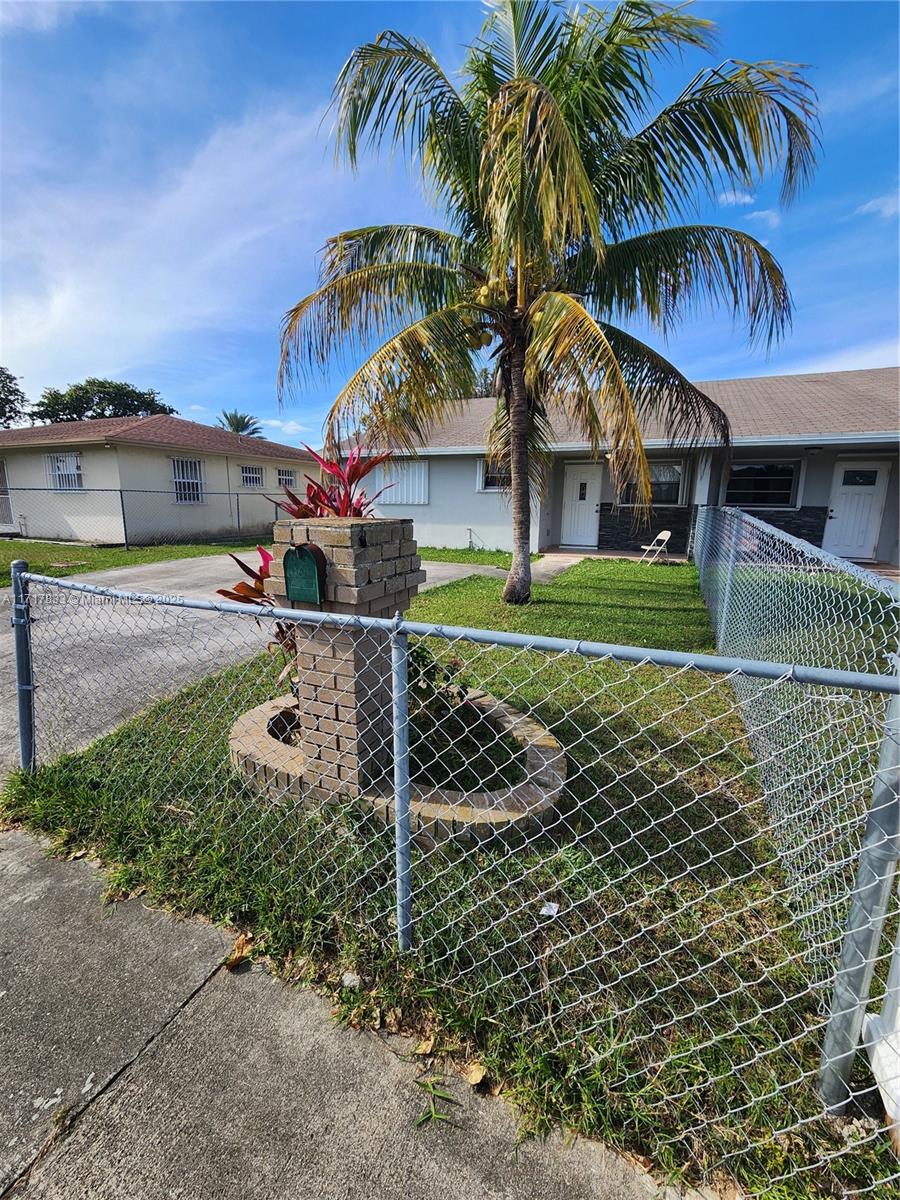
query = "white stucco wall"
x=90 y=515
x=455 y=505
x=147 y=499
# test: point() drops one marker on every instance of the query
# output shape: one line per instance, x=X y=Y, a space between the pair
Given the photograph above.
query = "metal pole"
x=871 y=896
x=124 y=522
x=21 y=623
x=734 y=533
x=237 y=509
x=400 y=690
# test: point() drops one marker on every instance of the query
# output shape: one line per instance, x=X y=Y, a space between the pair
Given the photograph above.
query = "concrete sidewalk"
x=135 y=1067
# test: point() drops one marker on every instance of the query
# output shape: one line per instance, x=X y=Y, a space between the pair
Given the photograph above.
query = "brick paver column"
x=344 y=676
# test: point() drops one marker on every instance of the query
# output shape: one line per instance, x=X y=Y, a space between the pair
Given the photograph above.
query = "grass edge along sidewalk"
x=61 y=559
x=156 y=803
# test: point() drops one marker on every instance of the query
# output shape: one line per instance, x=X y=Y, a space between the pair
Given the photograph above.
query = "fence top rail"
x=822 y=557
x=720 y=664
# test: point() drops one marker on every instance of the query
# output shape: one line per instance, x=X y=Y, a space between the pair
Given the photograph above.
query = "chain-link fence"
x=576 y=861
x=136 y=517
x=773 y=596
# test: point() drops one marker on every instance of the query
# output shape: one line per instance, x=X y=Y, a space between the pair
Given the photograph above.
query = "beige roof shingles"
x=822 y=405
x=159 y=430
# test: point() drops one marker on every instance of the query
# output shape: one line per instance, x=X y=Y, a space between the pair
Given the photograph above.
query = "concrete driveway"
x=116 y=660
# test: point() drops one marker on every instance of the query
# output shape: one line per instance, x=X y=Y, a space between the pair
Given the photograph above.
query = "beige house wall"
x=146 y=504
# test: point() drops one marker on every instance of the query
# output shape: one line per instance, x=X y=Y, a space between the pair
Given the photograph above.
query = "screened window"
x=253 y=477
x=187 y=477
x=287 y=477
x=406 y=482
x=762 y=485
x=665 y=482
x=494 y=478
x=64 y=472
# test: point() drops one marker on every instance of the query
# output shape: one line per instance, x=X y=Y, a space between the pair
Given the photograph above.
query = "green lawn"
x=71 y=558
x=664 y=1008
x=486 y=558
x=603 y=600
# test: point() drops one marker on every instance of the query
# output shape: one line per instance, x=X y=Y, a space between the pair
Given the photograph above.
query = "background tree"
x=12 y=399
x=484 y=382
x=565 y=201
x=238 y=422
x=96 y=398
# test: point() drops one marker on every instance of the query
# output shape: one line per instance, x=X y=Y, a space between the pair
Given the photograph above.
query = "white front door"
x=858 y=490
x=5 y=503
x=581 y=504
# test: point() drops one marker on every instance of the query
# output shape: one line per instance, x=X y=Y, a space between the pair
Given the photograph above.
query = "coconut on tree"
x=566 y=203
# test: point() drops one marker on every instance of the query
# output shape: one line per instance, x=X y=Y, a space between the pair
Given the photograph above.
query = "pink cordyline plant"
x=340 y=495
x=255 y=593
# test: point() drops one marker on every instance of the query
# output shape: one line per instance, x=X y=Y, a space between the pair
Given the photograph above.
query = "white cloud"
x=102 y=275
x=289 y=428
x=885 y=353
x=197 y=408
x=862 y=89
x=736 y=198
x=40 y=16
x=766 y=216
x=882 y=206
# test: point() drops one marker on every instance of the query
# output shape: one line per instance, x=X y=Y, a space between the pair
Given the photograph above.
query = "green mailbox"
x=304 y=574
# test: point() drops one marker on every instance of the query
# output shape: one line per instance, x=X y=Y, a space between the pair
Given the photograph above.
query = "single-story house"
x=136 y=480
x=815 y=455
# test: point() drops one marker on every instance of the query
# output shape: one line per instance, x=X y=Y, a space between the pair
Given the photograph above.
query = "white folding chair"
x=659 y=545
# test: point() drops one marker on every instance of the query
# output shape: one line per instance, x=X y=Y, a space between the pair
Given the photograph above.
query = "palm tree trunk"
x=518 y=582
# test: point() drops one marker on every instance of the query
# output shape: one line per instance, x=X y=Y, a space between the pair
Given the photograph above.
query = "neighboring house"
x=140 y=479
x=816 y=455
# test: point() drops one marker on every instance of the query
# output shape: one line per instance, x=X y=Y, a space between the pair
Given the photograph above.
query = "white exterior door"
x=858 y=490
x=581 y=504
x=6 y=518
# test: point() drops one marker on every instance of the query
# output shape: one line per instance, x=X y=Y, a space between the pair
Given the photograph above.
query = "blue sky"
x=167 y=182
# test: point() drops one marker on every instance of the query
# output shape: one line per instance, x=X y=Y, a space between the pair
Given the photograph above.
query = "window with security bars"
x=187 y=479
x=763 y=484
x=64 y=472
x=287 y=477
x=253 y=477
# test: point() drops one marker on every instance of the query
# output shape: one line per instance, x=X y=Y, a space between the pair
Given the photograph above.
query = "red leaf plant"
x=340 y=495
x=285 y=639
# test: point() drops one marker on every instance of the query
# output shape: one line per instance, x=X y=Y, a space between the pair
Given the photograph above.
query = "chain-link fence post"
x=733 y=533
x=400 y=691
x=21 y=623
x=124 y=519
x=871 y=896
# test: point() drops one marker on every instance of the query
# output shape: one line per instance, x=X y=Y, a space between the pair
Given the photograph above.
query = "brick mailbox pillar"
x=344 y=689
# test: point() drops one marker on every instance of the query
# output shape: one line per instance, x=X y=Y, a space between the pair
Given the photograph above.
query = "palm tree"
x=566 y=209
x=238 y=422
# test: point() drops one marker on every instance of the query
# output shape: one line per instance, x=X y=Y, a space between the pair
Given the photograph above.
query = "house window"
x=665 y=484
x=493 y=478
x=253 y=477
x=64 y=472
x=763 y=484
x=406 y=482
x=187 y=477
x=287 y=477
